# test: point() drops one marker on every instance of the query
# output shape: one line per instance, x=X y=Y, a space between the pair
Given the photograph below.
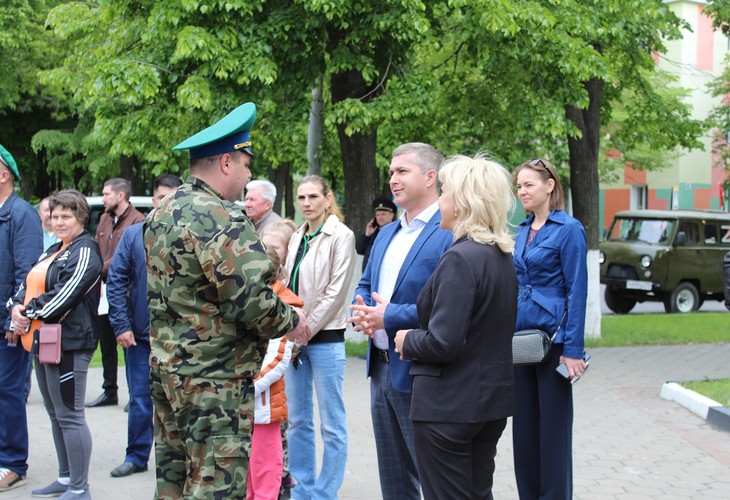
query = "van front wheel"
x=618 y=303
x=683 y=299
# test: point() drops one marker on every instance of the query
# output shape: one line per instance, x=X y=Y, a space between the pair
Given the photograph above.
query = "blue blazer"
x=552 y=276
x=21 y=243
x=401 y=313
x=126 y=287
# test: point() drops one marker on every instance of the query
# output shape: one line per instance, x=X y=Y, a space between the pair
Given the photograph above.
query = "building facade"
x=694 y=179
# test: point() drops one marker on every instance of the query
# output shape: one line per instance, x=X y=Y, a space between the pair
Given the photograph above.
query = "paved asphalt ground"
x=629 y=443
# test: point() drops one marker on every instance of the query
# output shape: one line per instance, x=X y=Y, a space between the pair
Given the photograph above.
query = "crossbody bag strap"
x=565 y=311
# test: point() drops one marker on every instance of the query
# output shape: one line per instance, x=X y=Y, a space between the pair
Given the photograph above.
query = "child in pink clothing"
x=266 y=460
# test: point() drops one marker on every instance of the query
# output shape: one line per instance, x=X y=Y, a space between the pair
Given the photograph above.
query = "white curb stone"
x=694 y=402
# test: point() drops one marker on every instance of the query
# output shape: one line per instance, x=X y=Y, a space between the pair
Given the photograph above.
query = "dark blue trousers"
x=542 y=431
x=393 y=430
x=140 y=431
x=13 y=419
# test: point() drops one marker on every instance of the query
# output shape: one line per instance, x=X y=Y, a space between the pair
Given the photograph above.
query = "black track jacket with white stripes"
x=73 y=284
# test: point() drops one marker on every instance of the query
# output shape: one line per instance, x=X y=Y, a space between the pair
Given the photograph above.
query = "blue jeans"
x=140 y=428
x=13 y=419
x=321 y=366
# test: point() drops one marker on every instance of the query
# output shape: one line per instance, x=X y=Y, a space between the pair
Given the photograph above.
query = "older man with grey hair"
x=259 y=202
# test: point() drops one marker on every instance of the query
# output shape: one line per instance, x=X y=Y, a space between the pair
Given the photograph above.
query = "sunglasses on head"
x=537 y=162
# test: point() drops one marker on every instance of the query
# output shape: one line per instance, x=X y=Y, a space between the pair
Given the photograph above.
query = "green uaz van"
x=672 y=256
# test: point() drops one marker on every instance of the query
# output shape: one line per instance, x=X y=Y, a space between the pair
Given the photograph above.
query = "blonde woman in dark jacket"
x=461 y=352
x=63 y=287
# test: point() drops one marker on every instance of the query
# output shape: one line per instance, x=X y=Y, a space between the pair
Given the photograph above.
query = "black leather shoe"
x=127 y=469
x=103 y=400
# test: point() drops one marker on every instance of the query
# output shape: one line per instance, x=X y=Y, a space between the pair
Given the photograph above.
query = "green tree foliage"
x=142 y=78
x=719 y=11
x=547 y=78
x=26 y=47
x=145 y=76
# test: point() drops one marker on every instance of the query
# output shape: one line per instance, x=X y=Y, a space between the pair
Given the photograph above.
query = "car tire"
x=617 y=303
x=685 y=298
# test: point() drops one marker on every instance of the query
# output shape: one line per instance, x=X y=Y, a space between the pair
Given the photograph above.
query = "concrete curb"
x=709 y=409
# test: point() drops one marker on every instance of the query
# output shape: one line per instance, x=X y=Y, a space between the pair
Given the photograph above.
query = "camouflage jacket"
x=211 y=312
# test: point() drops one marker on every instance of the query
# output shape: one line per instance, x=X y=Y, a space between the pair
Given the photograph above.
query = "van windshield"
x=655 y=231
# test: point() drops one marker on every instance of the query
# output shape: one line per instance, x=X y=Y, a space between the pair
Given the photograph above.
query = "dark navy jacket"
x=21 y=242
x=126 y=286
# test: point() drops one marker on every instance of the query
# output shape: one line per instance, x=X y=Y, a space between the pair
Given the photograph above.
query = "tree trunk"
x=316 y=125
x=127 y=167
x=584 y=190
x=281 y=178
x=358 y=153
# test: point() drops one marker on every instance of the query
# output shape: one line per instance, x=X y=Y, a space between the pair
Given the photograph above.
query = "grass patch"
x=719 y=389
x=662 y=329
x=356 y=349
x=96 y=359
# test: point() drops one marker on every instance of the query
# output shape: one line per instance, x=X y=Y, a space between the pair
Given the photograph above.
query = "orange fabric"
x=277 y=390
x=35 y=286
x=286 y=295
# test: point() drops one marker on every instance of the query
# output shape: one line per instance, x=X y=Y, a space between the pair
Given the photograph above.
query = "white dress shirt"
x=395 y=256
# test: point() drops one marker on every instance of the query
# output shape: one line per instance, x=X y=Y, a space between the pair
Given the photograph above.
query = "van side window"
x=711 y=232
x=692 y=232
x=725 y=233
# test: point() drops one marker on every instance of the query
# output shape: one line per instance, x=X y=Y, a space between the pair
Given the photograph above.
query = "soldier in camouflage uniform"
x=211 y=316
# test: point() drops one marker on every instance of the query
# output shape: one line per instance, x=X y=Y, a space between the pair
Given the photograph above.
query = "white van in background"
x=141 y=203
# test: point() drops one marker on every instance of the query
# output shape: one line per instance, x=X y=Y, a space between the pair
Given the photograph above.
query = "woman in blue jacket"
x=550 y=261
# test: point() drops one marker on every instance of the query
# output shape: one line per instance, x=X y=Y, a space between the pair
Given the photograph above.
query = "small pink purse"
x=49 y=344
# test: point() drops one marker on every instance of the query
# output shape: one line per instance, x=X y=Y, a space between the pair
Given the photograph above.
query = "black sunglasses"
x=538 y=161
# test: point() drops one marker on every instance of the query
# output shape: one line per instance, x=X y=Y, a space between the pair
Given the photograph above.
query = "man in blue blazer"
x=130 y=319
x=402 y=258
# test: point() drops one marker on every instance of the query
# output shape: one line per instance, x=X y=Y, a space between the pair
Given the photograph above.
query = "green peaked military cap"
x=9 y=161
x=230 y=133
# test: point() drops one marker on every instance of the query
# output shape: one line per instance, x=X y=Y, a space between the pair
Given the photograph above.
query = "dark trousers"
x=63 y=388
x=393 y=431
x=542 y=431
x=28 y=378
x=456 y=460
x=109 y=355
x=140 y=429
x=13 y=419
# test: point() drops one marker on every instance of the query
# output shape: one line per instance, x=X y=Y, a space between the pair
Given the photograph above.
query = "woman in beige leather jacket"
x=320 y=262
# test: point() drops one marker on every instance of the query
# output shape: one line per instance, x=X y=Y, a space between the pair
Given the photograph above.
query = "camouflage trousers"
x=202 y=435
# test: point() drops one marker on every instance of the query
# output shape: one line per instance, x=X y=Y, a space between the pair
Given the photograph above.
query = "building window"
x=638 y=198
x=711 y=233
